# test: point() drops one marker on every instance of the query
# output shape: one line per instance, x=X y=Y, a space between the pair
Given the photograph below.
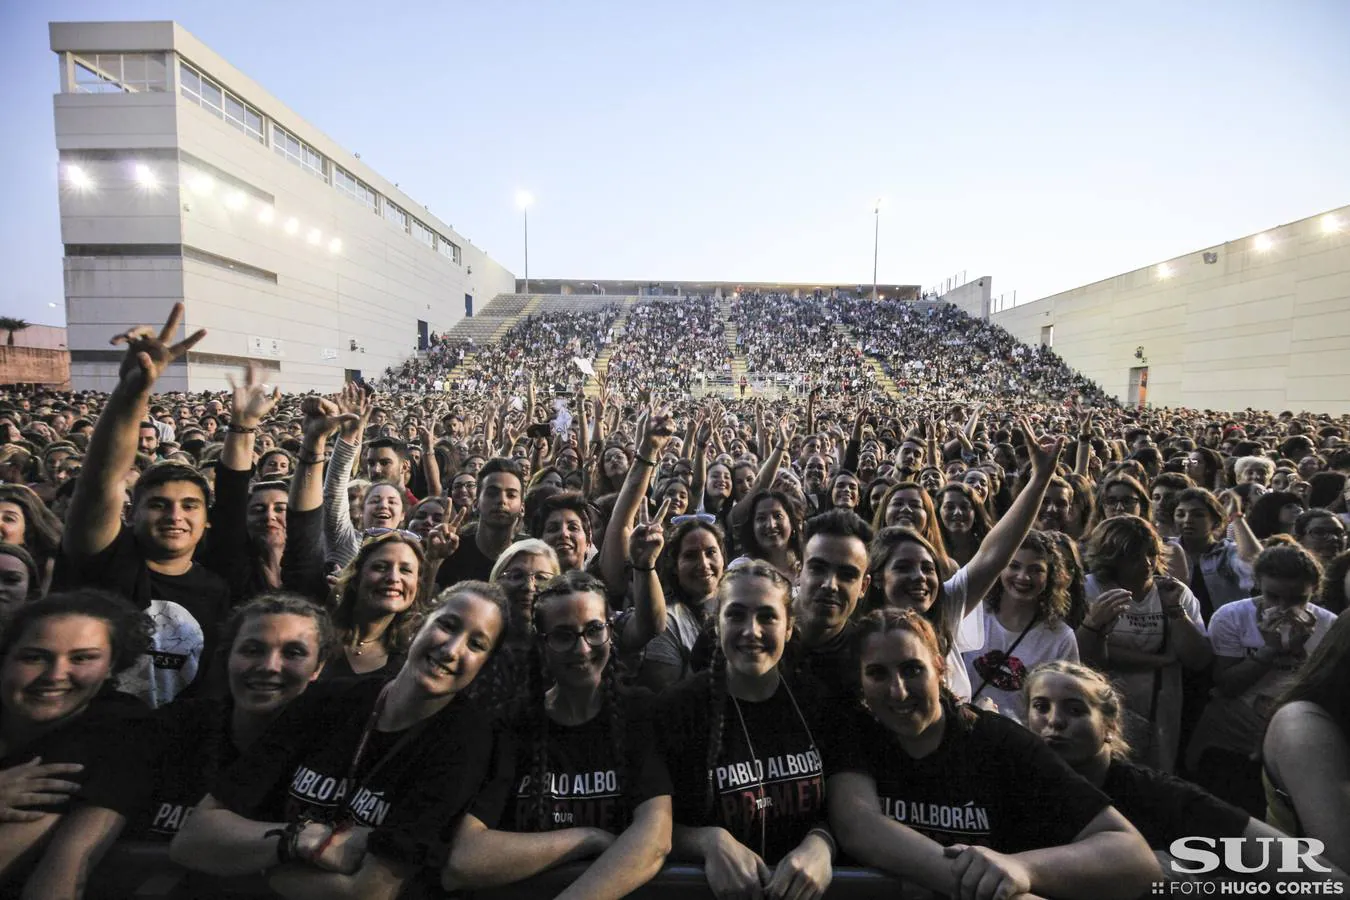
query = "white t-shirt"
x=1042 y=643
x=969 y=636
x=1144 y=627
x=1233 y=633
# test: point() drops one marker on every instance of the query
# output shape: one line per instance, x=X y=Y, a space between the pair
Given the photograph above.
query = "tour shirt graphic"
x=589 y=780
x=171 y=662
x=767 y=797
x=989 y=783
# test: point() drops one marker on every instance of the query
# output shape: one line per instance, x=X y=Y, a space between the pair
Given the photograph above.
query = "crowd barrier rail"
x=142 y=870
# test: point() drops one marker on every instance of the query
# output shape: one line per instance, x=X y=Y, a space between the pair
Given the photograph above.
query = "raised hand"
x=323 y=417
x=648 y=537
x=1043 y=450
x=442 y=541
x=251 y=401
x=355 y=405
x=786 y=429
x=149 y=354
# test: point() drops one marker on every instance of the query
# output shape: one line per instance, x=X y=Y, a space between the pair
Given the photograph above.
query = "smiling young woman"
x=348 y=792
x=943 y=793
x=578 y=775
x=61 y=719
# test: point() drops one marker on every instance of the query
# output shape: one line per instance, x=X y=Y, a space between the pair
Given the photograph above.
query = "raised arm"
x=339 y=536
x=1004 y=539
x=645 y=544
x=699 y=446
x=764 y=477
x=430 y=470
x=250 y=404
x=655 y=430
x=95 y=515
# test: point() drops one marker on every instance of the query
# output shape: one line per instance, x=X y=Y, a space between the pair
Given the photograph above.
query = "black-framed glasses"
x=560 y=640
x=1130 y=502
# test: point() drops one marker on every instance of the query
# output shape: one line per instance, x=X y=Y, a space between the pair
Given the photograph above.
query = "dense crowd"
x=398 y=643
x=543 y=348
x=670 y=343
x=797 y=336
x=430 y=371
x=969 y=358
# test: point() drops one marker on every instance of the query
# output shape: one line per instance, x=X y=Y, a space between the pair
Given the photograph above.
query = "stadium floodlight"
x=524 y=199
x=145 y=177
x=1263 y=243
x=202 y=185
x=1330 y=224
x=266 y=215
x=315 y=236
x=292 y=225
x=335 y=246
x=236 y=200
x=1164 y=270
x=79 y=178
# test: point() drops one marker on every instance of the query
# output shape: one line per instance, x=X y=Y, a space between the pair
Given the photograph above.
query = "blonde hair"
x=1101 y=694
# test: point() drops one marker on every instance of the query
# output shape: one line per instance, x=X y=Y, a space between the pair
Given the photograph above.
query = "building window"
x=393 y=214
x=120 y=73
x=448 y=249
x=354 y=187
x=211 y=97
x=298 y=152
x=424 y=234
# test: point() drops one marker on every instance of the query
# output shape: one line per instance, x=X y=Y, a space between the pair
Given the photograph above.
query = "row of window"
x=221 y=103
x=210 y=96
x=120 y=73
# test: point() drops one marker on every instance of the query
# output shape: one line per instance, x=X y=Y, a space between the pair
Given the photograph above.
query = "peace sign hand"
x=648 y=537
x=252 y=402
x=148 y=354
x=443 y=540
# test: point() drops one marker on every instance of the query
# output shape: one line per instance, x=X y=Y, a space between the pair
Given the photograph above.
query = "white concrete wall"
x=309 y=303
x=1261 y=329
x=972 y=298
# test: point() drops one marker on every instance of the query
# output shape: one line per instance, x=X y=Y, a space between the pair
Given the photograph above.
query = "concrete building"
x=183 y=179
x=1261 y=322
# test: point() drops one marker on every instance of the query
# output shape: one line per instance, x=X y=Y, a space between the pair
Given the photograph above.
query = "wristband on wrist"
x=642 y=459
x=824 y=835
x=1091 y=629
x=644 y=569
x=240 y=429
x=312 y=459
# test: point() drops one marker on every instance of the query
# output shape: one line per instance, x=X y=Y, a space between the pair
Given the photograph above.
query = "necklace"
x=359 y=644
x=762 y=802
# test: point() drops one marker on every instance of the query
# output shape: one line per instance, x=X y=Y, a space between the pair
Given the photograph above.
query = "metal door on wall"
x=352 y=375
x=422 y=341
x=468 y=306
x=1138 y=395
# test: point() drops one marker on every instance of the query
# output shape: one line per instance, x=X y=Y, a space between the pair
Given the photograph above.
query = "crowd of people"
x=400 y=643
x=432 y=370
x=670 y=343
x=780 y=333
x=940 y=345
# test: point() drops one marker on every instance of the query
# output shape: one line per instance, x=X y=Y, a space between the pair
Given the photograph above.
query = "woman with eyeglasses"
x=521 y=572
x=349 y=791
x=741 y=742
x=578 y=775
x=961 y=800
x=1121 y=495
x=378 y=606
x=1321 y=533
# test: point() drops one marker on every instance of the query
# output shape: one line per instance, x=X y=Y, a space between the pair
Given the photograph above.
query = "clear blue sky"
x=1047 y=144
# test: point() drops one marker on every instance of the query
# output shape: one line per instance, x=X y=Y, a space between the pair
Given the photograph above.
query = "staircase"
x=731 y=332
x=601 y=363
x=885 y=381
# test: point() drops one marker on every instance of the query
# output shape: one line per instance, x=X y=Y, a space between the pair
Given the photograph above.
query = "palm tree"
x=11 y=325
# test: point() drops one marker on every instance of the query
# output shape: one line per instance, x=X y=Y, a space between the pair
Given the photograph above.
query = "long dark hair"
x=129 y=629
x=42 y=529
x=745 y=535
x=943 y=621
x=574 y=582
x=668 y=563
x=717 y=683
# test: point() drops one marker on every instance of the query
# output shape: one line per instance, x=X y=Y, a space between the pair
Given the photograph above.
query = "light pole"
x=876 y=244
x=523 y=200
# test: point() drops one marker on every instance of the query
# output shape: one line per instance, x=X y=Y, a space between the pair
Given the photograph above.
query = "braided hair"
x=574 y=582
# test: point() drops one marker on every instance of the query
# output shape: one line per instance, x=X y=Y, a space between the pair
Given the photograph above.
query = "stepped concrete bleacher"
x=782 y=345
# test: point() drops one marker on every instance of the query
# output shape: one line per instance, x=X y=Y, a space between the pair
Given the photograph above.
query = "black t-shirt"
x=990 y=783
x=834 y=663
x=468 y=563
x=411 y=799
x=187 y=611
x=107 y=739
x=590 y=780
x=769 y=788
x=189 y=745
x=503 y=682
x=339 y=667
x=1165 y=808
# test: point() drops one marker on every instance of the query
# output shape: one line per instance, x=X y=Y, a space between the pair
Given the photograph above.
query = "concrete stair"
x=886 y=382
x=601 y=363
x=738 y=363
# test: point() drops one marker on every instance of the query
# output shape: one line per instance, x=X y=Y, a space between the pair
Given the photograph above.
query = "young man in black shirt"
x=151 y=562
x=832 y=581
x=501 y=488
